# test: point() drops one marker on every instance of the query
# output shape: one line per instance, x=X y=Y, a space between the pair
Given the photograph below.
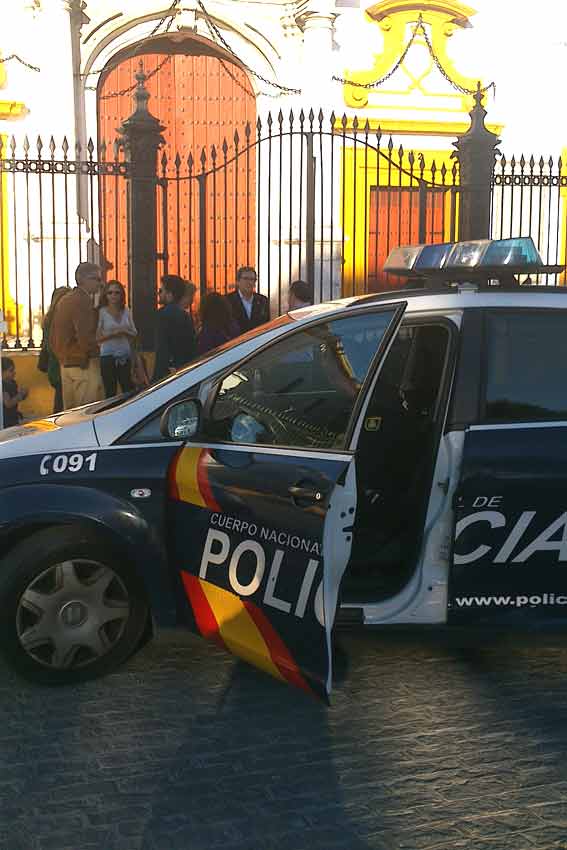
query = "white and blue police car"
x=392 y=460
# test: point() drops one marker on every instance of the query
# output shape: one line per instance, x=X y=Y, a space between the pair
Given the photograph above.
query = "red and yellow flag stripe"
x=241 y=627
x=189 y=478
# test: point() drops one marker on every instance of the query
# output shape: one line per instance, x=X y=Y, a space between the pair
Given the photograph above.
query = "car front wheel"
x=72 y=609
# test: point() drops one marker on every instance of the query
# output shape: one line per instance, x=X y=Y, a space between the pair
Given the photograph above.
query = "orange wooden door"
x=394 y=220
x=202 y=101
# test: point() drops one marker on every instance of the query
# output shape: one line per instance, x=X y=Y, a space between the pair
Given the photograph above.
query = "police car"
x=389 y=460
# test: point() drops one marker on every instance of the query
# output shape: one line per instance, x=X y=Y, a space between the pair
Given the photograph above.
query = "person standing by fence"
x=72 y=338
x=175 y=335
x=217 y=324
x=249 y=308
x=115 y=334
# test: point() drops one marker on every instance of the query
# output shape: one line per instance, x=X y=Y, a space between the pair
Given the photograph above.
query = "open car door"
x=262 y=501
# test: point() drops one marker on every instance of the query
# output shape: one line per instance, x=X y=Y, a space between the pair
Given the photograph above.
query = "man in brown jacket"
x=72 y=338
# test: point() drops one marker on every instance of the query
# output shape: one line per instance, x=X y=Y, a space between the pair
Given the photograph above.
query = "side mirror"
x=181 y=420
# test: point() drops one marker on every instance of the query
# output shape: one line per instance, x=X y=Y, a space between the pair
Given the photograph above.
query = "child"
x=11 y=395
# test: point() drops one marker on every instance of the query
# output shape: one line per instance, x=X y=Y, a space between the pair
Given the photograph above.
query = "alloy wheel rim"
x=72 y=614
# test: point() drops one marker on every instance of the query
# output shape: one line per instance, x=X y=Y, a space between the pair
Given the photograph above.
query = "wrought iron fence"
x=529 y=199
x=52 y=217
x=305 y=196
x=322 y=199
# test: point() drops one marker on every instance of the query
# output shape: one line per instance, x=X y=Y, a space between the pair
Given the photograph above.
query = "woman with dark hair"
x=217 y=324
x=115 y=334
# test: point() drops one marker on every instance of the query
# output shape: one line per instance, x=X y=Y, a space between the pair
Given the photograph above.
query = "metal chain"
x=131 y=88
x=214 y=30
x=444 y=73
x=386 y=76
x=21 y=61
x=420 y=27
x=171 y=15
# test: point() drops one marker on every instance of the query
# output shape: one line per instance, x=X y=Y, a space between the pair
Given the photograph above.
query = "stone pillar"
x=141 y=134
x=476 y=151
x=317 y=21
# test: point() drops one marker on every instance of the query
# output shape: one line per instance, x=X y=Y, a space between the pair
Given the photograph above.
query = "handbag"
x=139 y=371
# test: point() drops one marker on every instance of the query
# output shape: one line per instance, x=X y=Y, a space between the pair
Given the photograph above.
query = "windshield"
x=281 y=321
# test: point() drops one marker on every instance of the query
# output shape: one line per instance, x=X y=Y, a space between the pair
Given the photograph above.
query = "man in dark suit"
x=249 y=309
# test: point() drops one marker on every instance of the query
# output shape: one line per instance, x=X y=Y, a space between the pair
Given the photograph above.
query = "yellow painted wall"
x=363 y=172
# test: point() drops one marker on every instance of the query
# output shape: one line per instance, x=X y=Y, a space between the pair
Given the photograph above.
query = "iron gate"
x=304 y=197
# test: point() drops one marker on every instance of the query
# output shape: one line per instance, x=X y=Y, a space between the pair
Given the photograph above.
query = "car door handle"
x=306 y=493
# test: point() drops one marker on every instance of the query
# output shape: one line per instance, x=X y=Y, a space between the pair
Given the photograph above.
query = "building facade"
x=306 y=138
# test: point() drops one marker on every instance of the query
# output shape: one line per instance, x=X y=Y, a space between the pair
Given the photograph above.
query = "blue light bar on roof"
x=467 y=255
x=402 y=258
x=512 y=252
x=433 y=257
x=462 y=256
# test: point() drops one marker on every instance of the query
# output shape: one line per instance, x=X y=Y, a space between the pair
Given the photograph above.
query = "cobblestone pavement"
x=424 y=748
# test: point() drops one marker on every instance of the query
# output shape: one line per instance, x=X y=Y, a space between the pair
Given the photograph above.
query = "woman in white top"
x=115 y=334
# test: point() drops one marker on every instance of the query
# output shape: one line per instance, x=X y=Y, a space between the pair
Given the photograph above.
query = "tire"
x=72 y=609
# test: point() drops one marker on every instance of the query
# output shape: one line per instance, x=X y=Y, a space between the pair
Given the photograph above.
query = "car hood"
x=65 y=432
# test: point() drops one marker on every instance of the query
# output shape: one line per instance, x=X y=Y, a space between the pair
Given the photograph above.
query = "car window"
x=526 y=354
x=301 y=391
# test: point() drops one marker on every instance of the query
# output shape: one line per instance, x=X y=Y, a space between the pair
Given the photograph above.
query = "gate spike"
x=291 y=118
x=39 y=146
x=269 y=122
x=320 y=118
x=203 y=159
x=550 y=162
x=164 y=161
x=236 y=138
x=26 y=146
x=366 y=127
x=65 y=147
x=78 y=150
x=190 y=162
x=311 y=118
x=177 y=161
x=333 y=120
x=280 y=119
x=90 y=147
x=13 y=146
x=52 y=146
x=443 y=171
x=213 y=155
x=400 y=153
x=532 y=162
x=247 y=132
x=503 y=162
x=390 y=145
x=378 y=136
x=224 y=147
x=259 y=126
x=411 y=158
x=541 y=163
x=522 y=161
x=355 y=124
x=103 y=150
x=301 y=117
x=344 y=122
